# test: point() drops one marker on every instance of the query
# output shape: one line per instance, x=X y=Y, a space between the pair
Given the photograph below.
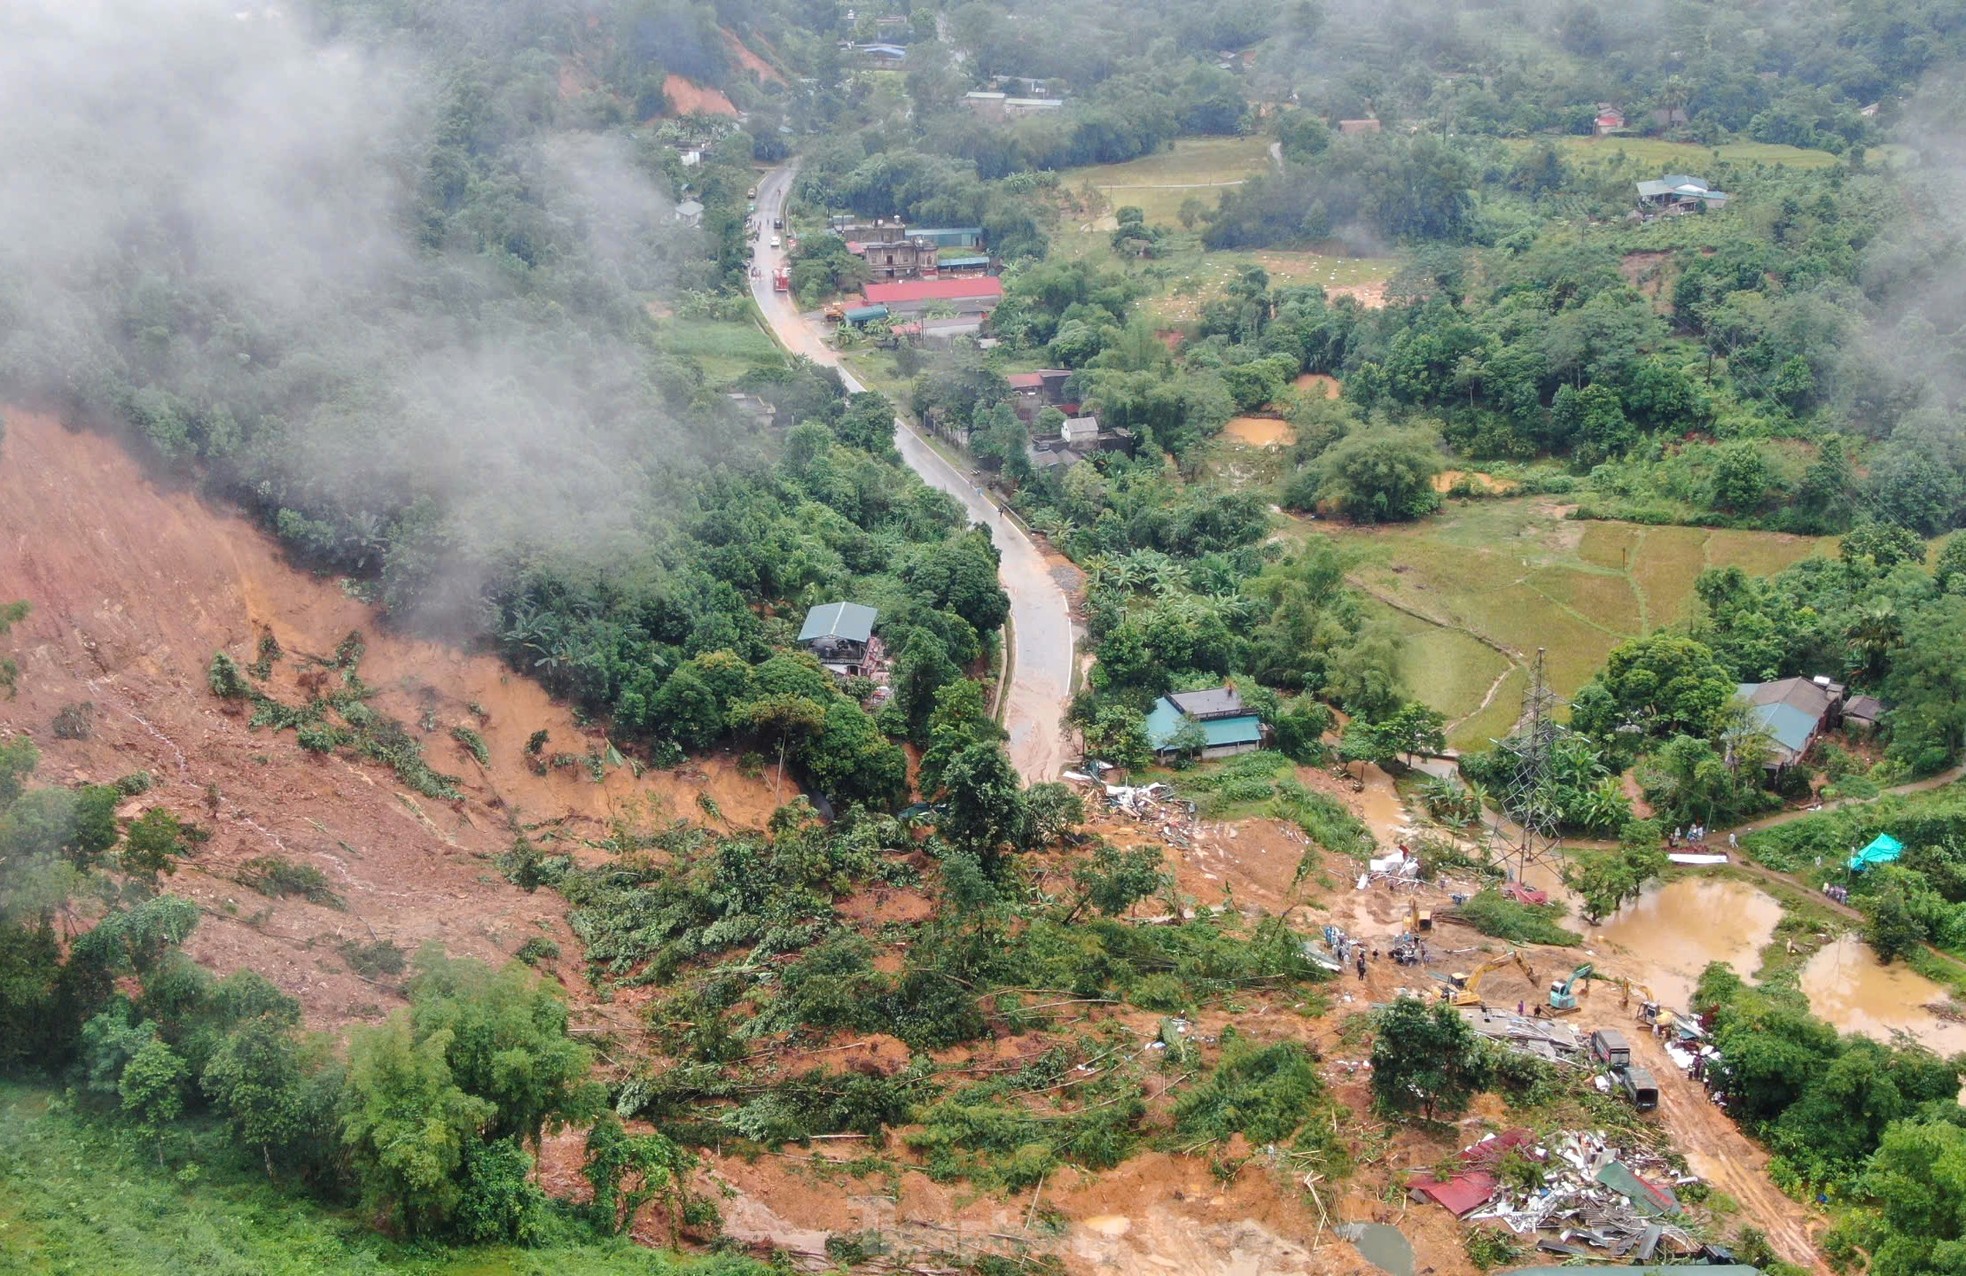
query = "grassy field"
x=726 y=350
x=1512 y=573
x=1193 y=168
x=1685 y=157
x=1185 y=276
x=77 y=1199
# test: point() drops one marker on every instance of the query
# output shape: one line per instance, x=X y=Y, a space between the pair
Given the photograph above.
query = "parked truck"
x=1639 y=1087
x=1609 y=1047
x=781 y=280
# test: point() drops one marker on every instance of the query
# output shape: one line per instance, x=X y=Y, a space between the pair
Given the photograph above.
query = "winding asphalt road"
x=1040 y=616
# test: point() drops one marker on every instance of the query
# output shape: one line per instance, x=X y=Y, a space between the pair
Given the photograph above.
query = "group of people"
x=1696 y=835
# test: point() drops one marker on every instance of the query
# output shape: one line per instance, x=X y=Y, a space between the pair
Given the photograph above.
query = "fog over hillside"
x=287 y=258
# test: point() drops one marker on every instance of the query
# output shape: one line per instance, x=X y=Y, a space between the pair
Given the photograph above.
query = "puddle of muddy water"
x=1848 y=987
x=1670 y=933
x=1382 y=1246
x=1260 y=431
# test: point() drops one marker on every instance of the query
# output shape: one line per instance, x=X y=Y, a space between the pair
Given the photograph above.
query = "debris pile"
x=1591 y=1194
x=1155 y=804
x=1545 y=1039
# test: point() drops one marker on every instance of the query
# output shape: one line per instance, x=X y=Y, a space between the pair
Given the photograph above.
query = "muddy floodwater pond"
x=1384 y=1247
x=1669 y=934
x=1848 y=987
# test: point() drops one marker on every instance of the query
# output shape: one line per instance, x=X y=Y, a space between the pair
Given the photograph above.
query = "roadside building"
x=1227 y=726
x=840 y=636
x=950 y=236
x=966 y=296
x=896 y=258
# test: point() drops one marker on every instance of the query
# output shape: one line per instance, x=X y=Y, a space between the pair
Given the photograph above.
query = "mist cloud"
x=212 y=218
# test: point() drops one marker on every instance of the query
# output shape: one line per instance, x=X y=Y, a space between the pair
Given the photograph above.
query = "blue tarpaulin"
x=1882 y=850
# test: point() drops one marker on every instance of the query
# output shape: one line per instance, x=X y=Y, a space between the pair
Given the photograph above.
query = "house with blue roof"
x=1227 y=726
x=1790 y=714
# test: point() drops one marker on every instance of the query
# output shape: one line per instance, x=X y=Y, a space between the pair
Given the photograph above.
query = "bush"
x=536 y=950
x=277 y=878
x=226 y=679
x=373 y=961
x=75 y=721
x=134 y=783
x=1265 y=1093
x=1518 y=923
x=473 y=743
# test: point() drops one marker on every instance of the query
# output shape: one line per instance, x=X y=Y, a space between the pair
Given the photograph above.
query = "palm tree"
x=1874 y=632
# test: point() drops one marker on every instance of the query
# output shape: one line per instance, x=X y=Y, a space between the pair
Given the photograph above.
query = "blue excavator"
x=1563 y=996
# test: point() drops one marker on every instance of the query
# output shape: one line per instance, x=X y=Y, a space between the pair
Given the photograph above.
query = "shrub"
x=1490 y=1247
x=1518 y=923
x=373 y=961
x=1263 y=1092
x=473 y=743
x=227 y=682
x=536 y=950
x=75 y=721
x=134 y=783
x=277 y=878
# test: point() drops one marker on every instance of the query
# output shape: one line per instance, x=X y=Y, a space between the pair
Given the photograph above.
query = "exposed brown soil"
x=749 y=60
x=1326 y=386
x=134 y=587
x=687 y=97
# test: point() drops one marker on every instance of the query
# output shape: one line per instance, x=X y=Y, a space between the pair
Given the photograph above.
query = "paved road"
x=1040 y=617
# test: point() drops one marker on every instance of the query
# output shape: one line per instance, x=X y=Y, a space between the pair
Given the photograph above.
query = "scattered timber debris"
x=1617 y=1200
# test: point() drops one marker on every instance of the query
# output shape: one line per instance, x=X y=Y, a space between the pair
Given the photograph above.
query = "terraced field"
x=1479 y=587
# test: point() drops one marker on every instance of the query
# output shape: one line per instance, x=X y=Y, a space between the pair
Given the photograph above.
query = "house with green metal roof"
x=840 y=636
x=1227 y=727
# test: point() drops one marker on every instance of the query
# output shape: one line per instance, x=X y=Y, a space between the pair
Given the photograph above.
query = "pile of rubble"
x=1173 y=818
x=1593 y=1197
x=1545 y=1039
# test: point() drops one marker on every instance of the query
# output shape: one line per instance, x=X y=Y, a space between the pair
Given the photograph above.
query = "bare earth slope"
x=134 y=587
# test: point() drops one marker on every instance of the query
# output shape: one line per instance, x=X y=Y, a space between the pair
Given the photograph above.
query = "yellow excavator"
x=1465 y=990
x=1417 y=921
x=1649 y=1011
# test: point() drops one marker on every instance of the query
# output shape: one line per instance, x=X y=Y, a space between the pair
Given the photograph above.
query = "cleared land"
x=1515 y=574
x=1185 y=275
x=725 y=349
x=1686 y=156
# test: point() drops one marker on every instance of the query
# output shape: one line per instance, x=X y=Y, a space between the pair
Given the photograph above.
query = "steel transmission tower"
x=1528 y=797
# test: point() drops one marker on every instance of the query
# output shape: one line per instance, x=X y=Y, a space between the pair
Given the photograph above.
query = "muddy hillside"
x=135 y=587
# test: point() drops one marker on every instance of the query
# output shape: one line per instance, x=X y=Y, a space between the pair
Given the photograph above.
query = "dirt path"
x=1041 y=616
x=1718 y=1152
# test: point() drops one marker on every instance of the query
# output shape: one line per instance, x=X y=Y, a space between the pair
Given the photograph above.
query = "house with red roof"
x=965 y=296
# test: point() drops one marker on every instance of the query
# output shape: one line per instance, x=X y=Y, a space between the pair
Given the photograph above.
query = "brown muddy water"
x=1668 y=935
x=1847 y=986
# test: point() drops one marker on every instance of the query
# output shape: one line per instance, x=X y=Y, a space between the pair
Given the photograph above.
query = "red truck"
x=781 y=280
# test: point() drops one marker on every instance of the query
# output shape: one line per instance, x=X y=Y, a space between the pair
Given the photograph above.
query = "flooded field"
x=1260 y=431
x=1671 y=932
x=1847 y=986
